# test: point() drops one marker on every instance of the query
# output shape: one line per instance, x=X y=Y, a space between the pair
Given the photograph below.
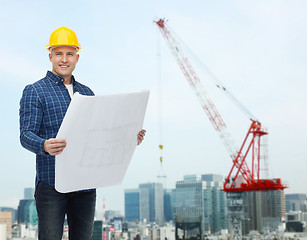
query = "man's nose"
x=64 y=58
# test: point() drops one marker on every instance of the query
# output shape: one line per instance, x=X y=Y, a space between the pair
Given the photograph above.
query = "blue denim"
x=51 y=209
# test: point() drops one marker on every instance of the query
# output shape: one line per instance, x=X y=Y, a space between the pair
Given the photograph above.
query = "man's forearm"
x=32 y=142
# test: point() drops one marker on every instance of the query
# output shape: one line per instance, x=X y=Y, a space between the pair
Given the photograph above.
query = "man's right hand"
x=54 y=146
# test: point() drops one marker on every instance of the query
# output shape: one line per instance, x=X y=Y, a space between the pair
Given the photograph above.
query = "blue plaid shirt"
x=42 y=108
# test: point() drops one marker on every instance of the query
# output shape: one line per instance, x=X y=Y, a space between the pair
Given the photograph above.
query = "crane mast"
x=251 y=178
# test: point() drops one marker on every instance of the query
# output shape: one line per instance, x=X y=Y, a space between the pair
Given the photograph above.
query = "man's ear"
x=50 y=57
x=78 y=57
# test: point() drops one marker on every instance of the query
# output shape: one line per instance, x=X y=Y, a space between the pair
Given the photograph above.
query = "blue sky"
x=256 y=48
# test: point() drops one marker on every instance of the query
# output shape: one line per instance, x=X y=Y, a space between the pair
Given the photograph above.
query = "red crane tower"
x=240 y=178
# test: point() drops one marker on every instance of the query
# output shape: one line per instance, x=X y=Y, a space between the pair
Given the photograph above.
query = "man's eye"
x=70 y=54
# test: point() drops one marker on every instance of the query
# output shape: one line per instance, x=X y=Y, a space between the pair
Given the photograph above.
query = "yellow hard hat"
x=63 y=36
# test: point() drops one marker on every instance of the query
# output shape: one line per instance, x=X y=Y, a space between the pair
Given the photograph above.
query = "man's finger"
x=58 y=145
x=56 y=152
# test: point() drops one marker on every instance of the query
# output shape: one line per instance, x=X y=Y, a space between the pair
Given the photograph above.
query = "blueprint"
x=101 y=136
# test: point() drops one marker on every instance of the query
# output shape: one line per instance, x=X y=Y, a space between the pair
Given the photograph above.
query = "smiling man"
x=42 y=108
x=64 y=60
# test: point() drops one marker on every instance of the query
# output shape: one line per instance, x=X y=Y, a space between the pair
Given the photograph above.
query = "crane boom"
x=251 y=179
x=199 y=90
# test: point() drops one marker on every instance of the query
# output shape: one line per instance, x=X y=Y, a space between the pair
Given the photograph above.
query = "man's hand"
x=141 y=136
x=54 y=146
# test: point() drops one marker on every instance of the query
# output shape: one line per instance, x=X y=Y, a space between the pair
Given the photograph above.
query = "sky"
x=256 y=49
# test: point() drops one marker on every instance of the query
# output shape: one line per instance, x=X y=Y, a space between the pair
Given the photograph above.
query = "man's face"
x=64 y=60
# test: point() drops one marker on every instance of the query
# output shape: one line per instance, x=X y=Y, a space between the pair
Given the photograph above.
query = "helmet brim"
x=77 y=47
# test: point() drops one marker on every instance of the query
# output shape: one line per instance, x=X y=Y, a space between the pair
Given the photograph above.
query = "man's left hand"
x=141 y=136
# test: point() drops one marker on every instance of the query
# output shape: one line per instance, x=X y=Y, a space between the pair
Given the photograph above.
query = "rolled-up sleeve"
x=30 y=119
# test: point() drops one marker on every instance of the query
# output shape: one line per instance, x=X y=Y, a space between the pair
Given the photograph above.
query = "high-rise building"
x=29 y=193
x=97 y=231
x=27 y=212
x=144 y=205
x=200 y=198
x=296 y=202
x=168 y=207
x=262 y=210
x=212 y=178
x=132 y=204
x=152 y=193
x=189 y=205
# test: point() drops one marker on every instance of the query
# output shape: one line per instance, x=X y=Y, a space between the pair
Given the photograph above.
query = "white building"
x=3 y=232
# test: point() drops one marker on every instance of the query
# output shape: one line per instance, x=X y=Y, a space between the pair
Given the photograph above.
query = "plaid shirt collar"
x=58 y=80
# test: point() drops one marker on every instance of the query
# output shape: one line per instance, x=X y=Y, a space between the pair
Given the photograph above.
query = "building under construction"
x=263 y=211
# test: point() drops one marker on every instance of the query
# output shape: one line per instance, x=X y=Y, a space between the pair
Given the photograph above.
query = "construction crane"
x=240 y=178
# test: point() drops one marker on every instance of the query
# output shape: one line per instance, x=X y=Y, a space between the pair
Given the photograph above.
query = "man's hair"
x=52 y=48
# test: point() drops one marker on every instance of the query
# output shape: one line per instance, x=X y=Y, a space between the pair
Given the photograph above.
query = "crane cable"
x=213 y=78
x=161 y=175
x=159 y=77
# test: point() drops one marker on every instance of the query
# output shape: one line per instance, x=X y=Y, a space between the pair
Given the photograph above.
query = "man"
x=42 y=109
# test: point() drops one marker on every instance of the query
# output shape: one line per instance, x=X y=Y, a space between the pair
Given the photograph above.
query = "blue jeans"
x=51 y=209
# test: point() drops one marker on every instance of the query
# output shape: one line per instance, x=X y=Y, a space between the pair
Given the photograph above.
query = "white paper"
x=101 y=136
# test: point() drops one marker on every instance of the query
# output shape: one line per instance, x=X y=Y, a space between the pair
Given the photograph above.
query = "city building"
x=296 y=216
x=25 y=231
x=199 y=198
x=168 y=207
x=132 y=205
x=145 y=204
x=12 y=210
x=3 y=231
x=152 y=194
x=137 y=207
x=216 y=205
x=29 y=193
x=263 y=210
x=189 y=207
x=6 y=220
x=97 y=231
x=296 y=221
x=27 y=212
x=296 y=202
x=167 y=232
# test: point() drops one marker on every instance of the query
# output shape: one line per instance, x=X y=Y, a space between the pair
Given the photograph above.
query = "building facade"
x=97 y=231
x=132 y=205
x=168 y=207
x=151 y=194
x=29 y=193
x=263 y=210
x=296 y=202
x=6 y=220
x=27 y=212
x=145 y=204
x=200 y=198
x=12 y=210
